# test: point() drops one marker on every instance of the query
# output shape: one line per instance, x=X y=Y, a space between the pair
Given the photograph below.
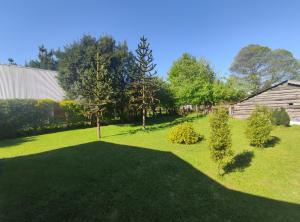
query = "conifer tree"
x=220 y=139
x=144 y=81
x=96 y=89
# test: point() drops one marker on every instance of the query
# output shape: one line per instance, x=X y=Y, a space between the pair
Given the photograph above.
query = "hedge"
x=28 y=116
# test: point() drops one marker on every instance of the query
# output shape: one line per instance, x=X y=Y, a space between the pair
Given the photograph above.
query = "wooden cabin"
x=285 y=94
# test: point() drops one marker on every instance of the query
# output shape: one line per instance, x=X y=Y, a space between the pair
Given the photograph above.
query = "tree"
x=80 y=54
x=259 y=67
x=11 y=61
x=165 y=96
x=191 y=81
x=95 y=86
x=250 y=65
x=227 y=90
x=144 y=81
x=46 y=60
x=282 y=66
x=220 y=139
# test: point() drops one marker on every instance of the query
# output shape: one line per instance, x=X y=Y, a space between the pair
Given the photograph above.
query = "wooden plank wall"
x=285 y=95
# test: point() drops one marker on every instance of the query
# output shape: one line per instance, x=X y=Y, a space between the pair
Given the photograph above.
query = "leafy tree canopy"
x=80 y=55
x=191 y=80
x=258 y=67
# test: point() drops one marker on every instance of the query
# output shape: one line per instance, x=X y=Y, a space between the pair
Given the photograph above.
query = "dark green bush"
x=259 y=126
x=17 y=115
x=220 y=139
x=280 y=117
x=184 y=133
x=28 y=117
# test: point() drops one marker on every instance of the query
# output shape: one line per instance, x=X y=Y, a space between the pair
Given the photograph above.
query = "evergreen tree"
x=46 y=60
x=144 y=81
x=220 y=140
x=95 y=87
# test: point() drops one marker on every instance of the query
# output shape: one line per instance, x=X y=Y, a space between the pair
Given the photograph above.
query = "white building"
x=18 y=82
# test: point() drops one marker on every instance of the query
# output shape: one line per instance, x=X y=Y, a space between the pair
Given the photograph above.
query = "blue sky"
x=214 y=29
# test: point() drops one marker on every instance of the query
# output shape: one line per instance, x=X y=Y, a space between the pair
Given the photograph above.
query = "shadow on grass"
x=101 y=181
x=5 y=143
x=239 y=162
x=272 y=142
x=165 y=124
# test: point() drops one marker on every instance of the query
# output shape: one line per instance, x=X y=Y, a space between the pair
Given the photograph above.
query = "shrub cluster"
x=22 y=116
x=184 y=133
x=220 y=140
x=280 y=117
x=259 y=126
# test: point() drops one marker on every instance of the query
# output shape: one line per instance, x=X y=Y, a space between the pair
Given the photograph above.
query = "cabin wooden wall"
x=285 y=95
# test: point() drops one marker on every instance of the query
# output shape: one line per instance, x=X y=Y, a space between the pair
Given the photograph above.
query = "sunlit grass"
x=272 y=172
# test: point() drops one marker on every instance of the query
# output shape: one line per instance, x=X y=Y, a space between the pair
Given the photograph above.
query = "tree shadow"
x=14 y=142
x=166 y=124
x=239 y=162
x=101 y=181
x=157 y=120
x=272 y=142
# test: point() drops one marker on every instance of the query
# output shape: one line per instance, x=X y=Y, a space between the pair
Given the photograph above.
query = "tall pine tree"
x=96 y=88
x=143 y=84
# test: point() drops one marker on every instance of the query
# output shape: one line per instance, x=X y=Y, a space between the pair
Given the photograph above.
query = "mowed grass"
x=135 y=175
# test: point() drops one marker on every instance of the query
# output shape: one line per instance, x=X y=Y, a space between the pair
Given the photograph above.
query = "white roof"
x=29 y=83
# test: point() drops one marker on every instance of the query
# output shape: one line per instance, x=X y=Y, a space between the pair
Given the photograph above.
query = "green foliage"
x=280 y=117
x=46 y=60
x=73 y=111
x=80 y=56
x=259 y=67
x=220 y=139
x=227 y=90
x=184 y=133
x=17 y=115
x=259 y=126
x=28 y=116
x=47 y=107
x=191 y=81
x=144 y=83
x=165 y=95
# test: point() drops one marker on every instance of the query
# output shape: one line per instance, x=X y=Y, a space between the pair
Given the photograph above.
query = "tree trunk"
x=98 y=127
x=144 y=118
x=144 y=108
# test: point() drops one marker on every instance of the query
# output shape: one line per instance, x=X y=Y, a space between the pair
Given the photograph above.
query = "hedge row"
x=26 y=116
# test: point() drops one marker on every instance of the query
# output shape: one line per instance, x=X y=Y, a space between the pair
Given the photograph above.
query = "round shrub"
x=280 y=117
x=259 y=126
x=184 y=133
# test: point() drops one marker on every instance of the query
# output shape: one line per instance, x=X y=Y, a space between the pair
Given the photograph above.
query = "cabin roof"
x=289 y=82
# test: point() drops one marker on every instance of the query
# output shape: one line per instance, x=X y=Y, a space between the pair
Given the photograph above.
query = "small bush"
x=259 y=126
x=184 y=133
x=280 y=117
x=220 y=139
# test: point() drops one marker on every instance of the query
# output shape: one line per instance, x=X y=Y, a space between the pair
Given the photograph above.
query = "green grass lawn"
x=133 y=175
